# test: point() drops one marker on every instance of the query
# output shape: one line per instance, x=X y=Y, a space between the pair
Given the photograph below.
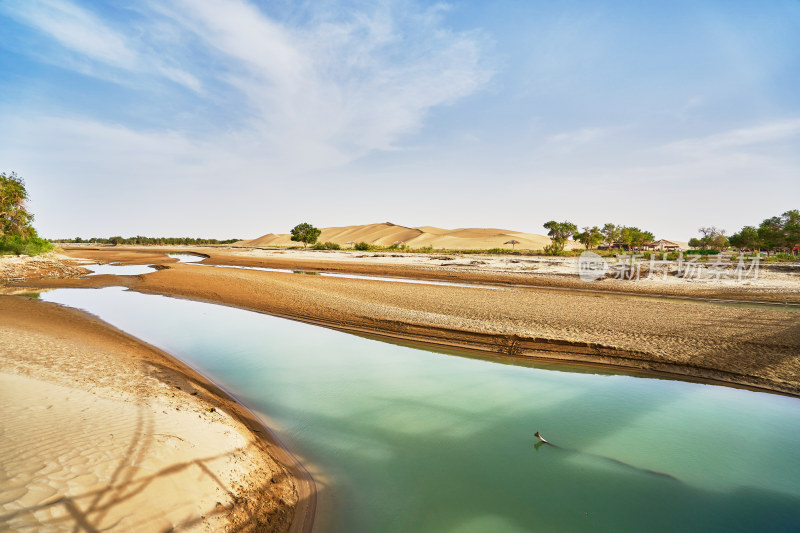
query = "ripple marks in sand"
x=74 y=460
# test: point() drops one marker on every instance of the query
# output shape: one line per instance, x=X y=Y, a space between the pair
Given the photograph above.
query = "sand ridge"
x=387 y=234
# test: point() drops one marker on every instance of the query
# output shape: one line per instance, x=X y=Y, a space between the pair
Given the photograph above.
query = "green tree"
x=17 y=235
x=633 y=237
x=791 y=228
x=589 y=237
x=713 y=237
x=611 y=234
x=746 y=238
x=770 y=234
x=15 y=220
x=559 y=233
x=720 y=242
x=305 y=233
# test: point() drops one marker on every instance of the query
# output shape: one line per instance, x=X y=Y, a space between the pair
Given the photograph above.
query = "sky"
x=236 y=118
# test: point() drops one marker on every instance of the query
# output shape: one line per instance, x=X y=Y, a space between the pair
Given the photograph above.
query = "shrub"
x=328 y=245
x=702 y=252
x=363 y=246
x=781 y=257
x=554 y=249
x=14 y=244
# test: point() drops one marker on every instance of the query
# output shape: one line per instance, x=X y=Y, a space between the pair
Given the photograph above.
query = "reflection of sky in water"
x=119 y=270
x=402 y=439
x=135 y=270
x=187 y=258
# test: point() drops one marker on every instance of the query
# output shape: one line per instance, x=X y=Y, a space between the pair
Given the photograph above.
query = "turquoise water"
x=401 y=439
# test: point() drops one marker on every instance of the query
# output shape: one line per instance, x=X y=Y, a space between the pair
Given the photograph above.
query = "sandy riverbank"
x=625 y=324
x=777 y=283
x=101 y=431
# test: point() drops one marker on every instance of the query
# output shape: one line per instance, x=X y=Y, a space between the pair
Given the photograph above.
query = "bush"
x=14 y=244
x=328 y=245
x=363 y=246
x=781 y=257
x=554 y=249
x=658 y=256
x=702 y=252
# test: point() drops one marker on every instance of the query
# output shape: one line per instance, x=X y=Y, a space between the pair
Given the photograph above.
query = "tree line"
x=774 y=234
x=139 y=239
x=612 y=235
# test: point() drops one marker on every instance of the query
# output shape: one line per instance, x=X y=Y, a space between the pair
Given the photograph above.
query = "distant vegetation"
x=305 y=233
x=157 y=241
x=779 y=235
x=328 y=245
x=614 y=236
x=17 y=235
x=559 y=233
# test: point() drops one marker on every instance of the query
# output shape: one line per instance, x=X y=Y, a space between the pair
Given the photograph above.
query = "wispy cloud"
x=739 y=138
x=75 y=29
x=282 y=100
x=308 y=97
x=88 y=38
x=346 y=86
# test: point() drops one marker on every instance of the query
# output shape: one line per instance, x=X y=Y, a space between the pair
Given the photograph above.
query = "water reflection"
x=188 y=258
x=118 y=270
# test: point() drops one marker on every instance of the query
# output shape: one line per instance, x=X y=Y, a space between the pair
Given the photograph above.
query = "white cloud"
x=302 y=100
x=339 y=88
x=81 y=32
x=315 y=96
x=739 y=138
x=75 y=29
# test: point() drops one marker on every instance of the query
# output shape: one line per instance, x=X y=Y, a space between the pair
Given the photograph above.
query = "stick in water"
x=541 y=438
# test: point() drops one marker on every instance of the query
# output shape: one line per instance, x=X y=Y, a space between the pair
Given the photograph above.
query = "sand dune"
x=386 y=234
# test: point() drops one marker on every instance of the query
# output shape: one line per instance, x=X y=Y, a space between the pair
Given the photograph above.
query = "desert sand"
x=103 y=432
x=387 y=234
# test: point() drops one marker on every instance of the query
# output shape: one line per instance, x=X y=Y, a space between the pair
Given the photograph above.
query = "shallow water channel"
x=403 y=439
x=361 y=276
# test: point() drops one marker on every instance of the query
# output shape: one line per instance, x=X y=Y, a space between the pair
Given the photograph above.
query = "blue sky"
x=238 y=118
